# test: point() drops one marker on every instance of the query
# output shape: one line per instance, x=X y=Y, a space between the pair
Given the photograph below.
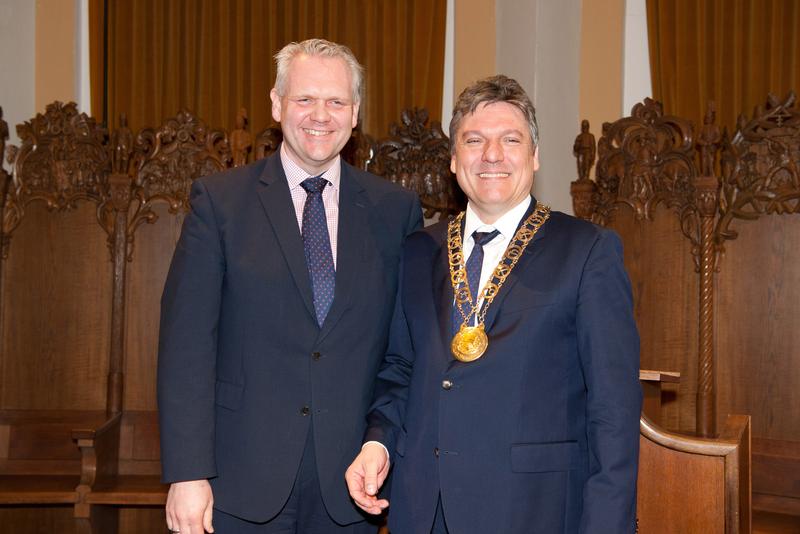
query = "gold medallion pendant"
x=469 y=343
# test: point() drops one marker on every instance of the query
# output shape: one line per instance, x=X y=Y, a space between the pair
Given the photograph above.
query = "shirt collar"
x=506 y=224
x=295 y=175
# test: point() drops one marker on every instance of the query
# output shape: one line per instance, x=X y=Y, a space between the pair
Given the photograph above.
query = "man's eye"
x=472 y=141
x=337 y=103
x=303 y=100
x=513 y=140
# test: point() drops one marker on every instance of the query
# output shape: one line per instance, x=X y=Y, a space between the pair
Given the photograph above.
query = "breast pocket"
x=545 y=457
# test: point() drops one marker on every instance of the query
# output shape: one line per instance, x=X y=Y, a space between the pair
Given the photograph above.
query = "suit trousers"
x=304 y=511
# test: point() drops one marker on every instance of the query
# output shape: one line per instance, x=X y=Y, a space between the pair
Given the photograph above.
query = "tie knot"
x=481 y=238
x=314 y=185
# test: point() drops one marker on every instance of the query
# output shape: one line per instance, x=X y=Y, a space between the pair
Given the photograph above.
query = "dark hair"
x=499 y=88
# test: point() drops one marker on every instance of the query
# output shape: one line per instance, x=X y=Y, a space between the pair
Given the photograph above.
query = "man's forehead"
x=316 y=72
x=497 y=117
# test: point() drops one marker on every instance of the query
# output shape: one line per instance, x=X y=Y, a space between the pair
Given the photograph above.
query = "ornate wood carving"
x=62 y=159
x=169 y=159
x=166 y=162
x=760 y=166
x=417 y=156
x=645 y=160
x=267 y=142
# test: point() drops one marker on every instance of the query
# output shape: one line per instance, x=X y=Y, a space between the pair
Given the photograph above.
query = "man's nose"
x=493 y=152
x=320 y=112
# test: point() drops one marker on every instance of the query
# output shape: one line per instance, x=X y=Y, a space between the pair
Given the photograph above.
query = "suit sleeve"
x=414 y=216
x=188 y=344
x=387 y=412
x=608 y=345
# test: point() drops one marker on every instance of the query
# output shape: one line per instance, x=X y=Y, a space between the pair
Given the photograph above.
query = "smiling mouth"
x=317 y=133
x=494 y=174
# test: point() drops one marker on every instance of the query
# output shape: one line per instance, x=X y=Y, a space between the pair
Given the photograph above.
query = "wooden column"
x=120 y=186
x=707 y=191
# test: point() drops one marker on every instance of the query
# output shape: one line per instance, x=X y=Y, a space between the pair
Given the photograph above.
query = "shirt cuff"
x=388 y=457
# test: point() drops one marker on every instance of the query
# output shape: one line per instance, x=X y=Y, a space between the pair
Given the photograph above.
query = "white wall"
x=538 y=44
x=636 y=67
x=17 y=55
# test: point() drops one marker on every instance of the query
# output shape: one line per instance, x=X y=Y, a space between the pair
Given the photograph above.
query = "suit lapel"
x=443 y=292
x=353 y=225
x=277 y=202
x=531 y=251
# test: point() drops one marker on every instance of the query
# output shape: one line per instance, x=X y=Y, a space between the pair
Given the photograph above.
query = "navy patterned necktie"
x=317 y=245
x=473 y=268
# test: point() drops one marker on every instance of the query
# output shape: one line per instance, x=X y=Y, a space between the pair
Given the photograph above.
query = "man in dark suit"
x=514 y=408
x=275 y=318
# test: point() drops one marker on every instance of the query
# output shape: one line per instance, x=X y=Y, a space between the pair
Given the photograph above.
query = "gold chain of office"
x=470 y=342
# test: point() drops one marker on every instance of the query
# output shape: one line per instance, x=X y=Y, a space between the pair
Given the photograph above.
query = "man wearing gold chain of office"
x=508 y=400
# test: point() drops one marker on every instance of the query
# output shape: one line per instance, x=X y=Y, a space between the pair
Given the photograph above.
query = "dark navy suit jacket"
x=540 y=435
x=243 y=366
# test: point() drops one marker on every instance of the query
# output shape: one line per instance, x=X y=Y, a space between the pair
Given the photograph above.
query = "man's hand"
x=189 y=507
x=366 y=475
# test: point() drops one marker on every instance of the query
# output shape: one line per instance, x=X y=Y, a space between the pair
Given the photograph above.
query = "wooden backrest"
x=644 y=190
x=55 y=273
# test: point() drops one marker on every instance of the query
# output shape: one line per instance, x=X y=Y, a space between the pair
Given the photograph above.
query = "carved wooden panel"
x=146 y=275
x=417 y=156
x=645 y=160
x=62 y=160
x=55 y=328
x=665 y=287
x=761 y=166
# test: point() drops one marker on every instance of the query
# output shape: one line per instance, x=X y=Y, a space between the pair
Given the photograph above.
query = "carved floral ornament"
x=65 y=157
x=648 y=158
x=760 y=166
x=417 y=157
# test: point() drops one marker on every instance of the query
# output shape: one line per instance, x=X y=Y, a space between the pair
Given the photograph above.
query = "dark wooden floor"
x=767 y=523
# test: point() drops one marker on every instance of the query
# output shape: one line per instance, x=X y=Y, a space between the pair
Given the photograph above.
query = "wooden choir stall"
x=709 y=221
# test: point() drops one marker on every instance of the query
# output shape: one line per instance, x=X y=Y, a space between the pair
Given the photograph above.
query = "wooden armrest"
x=99 y=452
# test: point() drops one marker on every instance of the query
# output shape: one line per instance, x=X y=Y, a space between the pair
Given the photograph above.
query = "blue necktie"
x=473 y=268
x=317 y=245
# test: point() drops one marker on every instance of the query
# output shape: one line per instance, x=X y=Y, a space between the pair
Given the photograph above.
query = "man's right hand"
x=366 y=475
x=189 y=507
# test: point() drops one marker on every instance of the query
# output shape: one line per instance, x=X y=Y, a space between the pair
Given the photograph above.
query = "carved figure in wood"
x=3 y=137
x=708 y=141
x=122 y=146
x=267 y=142
x=240 y=139
x=584 y=150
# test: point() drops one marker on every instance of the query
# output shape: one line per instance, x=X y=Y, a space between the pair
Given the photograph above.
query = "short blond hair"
x=319 y=48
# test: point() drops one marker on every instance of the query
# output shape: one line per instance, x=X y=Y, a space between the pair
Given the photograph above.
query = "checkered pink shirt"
x=330 y=195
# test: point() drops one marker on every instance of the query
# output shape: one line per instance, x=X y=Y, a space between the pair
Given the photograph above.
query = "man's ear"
x=356 y=107
x=536 y=159
x=276 y=105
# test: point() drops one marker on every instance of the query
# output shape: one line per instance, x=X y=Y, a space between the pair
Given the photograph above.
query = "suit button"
x=305 y=410
x=446 y=384
x=316 y=356
x=436 y=451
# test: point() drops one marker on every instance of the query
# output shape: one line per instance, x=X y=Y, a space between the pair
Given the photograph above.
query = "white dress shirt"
x=492 y=251
x=330 y=195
